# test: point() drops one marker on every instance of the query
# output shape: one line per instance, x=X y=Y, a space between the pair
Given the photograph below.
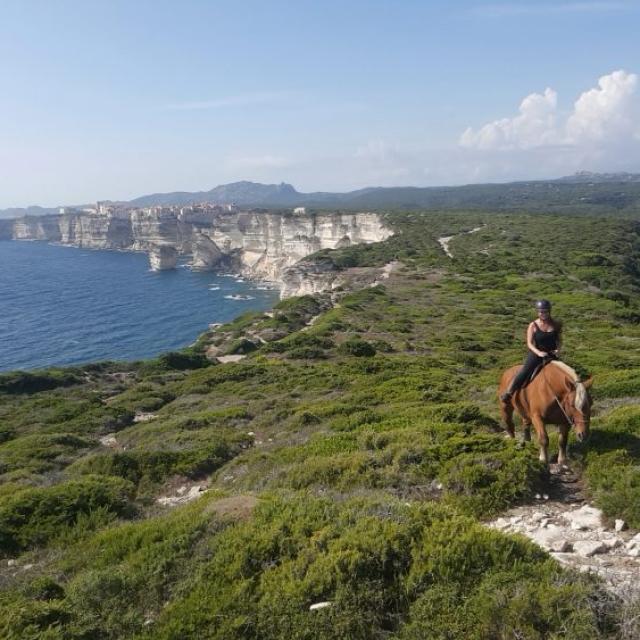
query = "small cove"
x=62 y=305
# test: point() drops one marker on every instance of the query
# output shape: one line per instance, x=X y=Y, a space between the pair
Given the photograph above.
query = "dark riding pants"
x=526 y=370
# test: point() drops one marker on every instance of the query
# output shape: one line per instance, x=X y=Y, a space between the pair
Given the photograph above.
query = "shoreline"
x=32 y=354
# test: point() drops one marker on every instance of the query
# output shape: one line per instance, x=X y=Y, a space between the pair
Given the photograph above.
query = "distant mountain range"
x=600 y=190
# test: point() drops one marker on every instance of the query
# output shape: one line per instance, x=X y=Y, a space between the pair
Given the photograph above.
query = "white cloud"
x=605 y=116
x=605 y=113
x=534 y=126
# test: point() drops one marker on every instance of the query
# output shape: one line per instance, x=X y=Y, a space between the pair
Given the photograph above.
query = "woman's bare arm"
x=530 y=331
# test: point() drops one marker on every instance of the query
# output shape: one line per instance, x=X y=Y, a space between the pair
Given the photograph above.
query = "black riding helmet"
x=543 y=305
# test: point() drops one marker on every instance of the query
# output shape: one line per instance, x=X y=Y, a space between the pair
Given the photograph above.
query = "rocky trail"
x=444 y=241
x=576 y=534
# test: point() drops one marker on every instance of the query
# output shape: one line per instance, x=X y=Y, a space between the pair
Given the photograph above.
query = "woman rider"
x=543 y=341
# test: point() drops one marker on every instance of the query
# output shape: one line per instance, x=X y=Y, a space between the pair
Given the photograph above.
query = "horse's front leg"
x=543 y=438
x=562 y=444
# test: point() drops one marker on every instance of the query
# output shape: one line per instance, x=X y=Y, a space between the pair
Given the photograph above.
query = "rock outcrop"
x=163 y=257
x=258 y=244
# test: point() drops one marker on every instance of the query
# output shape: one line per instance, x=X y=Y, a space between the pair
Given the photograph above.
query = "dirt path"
x=574 y=532
x=445 y=240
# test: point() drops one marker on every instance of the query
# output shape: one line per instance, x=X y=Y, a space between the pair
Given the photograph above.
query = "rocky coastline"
x=256 y=244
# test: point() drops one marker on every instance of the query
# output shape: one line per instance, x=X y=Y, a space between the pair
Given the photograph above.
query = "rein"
x=569 y=420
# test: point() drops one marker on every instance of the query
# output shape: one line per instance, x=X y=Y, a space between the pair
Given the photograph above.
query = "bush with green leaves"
x=35 y=516
x=357 y=347
x=18 y=382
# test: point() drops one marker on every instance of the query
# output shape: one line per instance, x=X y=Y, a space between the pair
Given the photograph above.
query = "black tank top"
x=545 y=340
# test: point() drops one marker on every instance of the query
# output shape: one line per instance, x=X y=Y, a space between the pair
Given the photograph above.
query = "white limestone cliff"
x=260 y=245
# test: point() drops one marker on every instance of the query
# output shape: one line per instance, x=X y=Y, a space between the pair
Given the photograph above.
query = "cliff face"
x=258 y=244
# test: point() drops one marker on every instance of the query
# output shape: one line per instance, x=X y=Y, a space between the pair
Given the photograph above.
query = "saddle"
x=538 y=369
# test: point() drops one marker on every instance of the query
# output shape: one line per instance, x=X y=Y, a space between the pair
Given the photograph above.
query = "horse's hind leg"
x=506 y=412
x=526 y=435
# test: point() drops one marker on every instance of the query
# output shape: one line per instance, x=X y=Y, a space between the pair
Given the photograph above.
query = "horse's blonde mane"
x=567 y=369
x=581 y=393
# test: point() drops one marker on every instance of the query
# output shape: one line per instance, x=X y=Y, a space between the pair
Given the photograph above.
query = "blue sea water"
x=62 y=305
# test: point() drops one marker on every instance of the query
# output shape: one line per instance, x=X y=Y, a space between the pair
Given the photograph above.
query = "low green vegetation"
x=350 y=457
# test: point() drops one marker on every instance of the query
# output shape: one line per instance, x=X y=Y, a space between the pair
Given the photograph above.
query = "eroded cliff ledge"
x=258 y=244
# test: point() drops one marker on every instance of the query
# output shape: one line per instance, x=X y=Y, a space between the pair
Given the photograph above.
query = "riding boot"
x=506 y=396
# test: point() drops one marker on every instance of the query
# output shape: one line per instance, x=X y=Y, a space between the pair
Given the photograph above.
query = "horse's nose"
x=582 y=437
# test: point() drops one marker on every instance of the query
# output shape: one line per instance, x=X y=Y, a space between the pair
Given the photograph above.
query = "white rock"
x=634 y=552
x=109 y=440
x=586 y=517
x=232 y=358
x=546 y=538
x=620 y=525
x=181 y=490
x=142 y=416
x=588 y=548
x=319 y=605
x=613 y=543
x=536 y=516
x=27 y=567
x=11 y=563
x=635 y=541
x=560 y=546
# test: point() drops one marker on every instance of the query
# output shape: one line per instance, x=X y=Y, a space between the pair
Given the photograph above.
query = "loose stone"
x=588 y=548
x=620 y=525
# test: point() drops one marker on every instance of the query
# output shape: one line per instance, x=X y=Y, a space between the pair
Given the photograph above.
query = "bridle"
x=569 y=419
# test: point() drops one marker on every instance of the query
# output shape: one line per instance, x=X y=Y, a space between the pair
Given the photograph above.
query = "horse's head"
x=577 y=406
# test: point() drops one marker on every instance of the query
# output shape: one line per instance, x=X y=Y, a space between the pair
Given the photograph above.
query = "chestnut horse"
x=555 y=396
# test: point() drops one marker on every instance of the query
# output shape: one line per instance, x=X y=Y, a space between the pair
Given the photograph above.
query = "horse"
x=556 y=395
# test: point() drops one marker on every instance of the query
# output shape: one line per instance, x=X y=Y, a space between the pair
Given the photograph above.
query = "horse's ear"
x=588 y=382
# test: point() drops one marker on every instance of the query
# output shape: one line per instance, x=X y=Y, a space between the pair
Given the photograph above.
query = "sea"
x=63 y=305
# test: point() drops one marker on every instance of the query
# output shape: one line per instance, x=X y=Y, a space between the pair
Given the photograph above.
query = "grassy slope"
x=336 y=475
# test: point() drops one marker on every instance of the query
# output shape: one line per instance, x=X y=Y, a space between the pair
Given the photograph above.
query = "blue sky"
x=112 y=99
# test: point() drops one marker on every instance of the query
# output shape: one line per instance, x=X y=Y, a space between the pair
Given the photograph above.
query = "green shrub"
x=33 y=517
x=484 y=484
x=357 y=347
x=44 y=588
x=614 y=480
x=153 y=467
x=242 y=346
x=41 y=452
x=181 y=360
x=18 y=382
